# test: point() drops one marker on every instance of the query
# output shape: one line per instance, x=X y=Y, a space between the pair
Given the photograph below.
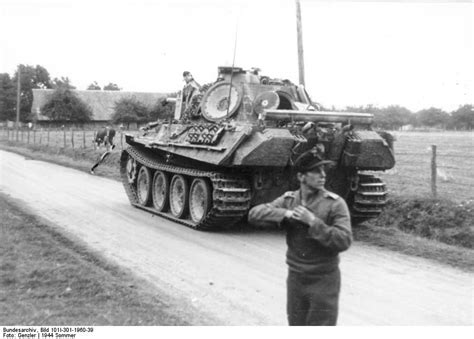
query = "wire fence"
x=57 y=138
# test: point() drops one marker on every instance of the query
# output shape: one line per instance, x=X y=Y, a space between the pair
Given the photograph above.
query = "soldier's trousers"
x=313 y=299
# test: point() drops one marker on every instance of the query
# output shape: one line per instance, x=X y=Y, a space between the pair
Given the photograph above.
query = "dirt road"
x=238 y=278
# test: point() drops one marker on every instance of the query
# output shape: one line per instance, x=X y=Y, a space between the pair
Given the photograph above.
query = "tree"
x=432 y=117
x=392 y=117
x=7 y=98
x=463 y=117
x=42 y=79
x=31 y=77
x=64 y=83
x=64 y=105
x=362 y=109
x=111 y=87
x=94 y=87
x=162 y=110
x=129 y=110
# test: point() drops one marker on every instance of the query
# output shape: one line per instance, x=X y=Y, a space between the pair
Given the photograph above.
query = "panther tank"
x=233 y=143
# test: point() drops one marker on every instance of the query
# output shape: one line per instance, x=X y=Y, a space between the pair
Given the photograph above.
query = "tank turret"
x=232 y=143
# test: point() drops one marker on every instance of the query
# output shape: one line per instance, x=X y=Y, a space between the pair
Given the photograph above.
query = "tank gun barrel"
x=319 y=116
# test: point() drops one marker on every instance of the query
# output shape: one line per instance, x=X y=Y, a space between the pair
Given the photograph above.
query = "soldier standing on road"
x=318 y=227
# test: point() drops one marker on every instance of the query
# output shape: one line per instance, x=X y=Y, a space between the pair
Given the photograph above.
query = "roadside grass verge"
x=440 y=230
x=47 y=279
x=436 y=219
x=81 y=159
x=437 y=229
x=389 y=237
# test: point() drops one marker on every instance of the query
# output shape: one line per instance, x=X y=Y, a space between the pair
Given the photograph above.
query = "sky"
x=417 y=54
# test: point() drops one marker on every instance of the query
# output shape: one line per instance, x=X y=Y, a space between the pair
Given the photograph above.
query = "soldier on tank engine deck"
x=318 y=227
x=191 y=87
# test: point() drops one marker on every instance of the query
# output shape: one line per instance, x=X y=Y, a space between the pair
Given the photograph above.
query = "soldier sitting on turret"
x=191 y=96
x=190 y=89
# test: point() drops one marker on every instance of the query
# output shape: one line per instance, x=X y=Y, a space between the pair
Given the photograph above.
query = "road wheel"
x=144 y=186
x=179 y=193
x=131 y=170
x=200 y=199
x=160 y=191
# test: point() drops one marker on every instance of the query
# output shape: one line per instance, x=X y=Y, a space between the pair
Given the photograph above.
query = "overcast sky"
x=416 y=55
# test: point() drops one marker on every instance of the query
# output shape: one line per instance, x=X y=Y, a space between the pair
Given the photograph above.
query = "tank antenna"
x=232 y=70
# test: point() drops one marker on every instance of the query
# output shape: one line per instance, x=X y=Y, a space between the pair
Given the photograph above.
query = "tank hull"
x=234 y=147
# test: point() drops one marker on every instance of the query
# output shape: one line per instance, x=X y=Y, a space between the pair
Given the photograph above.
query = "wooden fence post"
x=72 y=137
x=47 y=142
x=8 y=134
x=433 y=171
x=64 y=133
x=84 y=139
x=28 y=137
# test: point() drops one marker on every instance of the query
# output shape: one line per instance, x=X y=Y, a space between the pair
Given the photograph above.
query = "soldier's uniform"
x=190 y=89
x=313 y=283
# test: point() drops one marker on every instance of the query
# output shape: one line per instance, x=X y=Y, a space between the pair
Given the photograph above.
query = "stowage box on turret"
x=232 y=145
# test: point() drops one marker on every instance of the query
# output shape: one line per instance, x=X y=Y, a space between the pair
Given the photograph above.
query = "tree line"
x=394 y=117
x=64 y=105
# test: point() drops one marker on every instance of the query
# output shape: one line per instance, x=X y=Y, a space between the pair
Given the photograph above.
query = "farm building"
x=101 y=102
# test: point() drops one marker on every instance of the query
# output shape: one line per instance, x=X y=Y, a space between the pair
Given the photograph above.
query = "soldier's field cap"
x=186 y=73
x=310 y=160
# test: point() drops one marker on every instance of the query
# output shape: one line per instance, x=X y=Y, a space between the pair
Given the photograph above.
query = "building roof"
x=102 y=103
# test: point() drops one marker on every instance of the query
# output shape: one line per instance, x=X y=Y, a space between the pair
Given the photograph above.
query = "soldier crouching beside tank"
x=318 y=227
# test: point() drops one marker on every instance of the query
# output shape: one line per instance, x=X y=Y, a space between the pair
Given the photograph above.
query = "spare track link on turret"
x=370 y=198
x=230 y=198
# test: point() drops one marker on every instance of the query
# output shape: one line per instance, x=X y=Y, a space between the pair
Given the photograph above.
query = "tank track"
x=369 y=199
x=230 y=198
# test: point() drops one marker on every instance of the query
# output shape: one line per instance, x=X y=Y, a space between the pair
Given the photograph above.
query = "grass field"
x=411 y=176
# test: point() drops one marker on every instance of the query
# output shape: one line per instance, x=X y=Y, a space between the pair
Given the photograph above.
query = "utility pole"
x=299 y=31
x=18 y=97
